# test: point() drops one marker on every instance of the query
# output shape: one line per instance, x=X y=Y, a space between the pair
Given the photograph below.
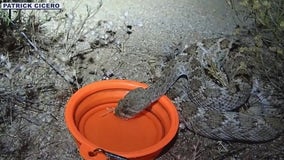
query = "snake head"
x=132 y=104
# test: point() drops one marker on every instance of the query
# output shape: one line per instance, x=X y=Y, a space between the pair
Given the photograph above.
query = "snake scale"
x=218 y=78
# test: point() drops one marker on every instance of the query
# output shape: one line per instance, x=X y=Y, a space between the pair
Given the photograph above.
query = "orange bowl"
x=101 y=135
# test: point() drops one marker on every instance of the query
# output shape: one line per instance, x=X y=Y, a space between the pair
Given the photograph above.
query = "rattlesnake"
x=219 y=78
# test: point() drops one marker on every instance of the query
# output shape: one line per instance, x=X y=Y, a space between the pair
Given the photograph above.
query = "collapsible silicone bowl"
x=100 y=135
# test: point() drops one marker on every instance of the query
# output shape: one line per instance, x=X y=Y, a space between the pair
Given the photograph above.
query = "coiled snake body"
x=218 y=78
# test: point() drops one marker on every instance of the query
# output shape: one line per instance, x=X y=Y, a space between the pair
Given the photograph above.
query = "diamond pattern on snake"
x=220 y=79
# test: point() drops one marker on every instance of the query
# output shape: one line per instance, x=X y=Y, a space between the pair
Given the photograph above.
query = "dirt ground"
x=88 y=41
